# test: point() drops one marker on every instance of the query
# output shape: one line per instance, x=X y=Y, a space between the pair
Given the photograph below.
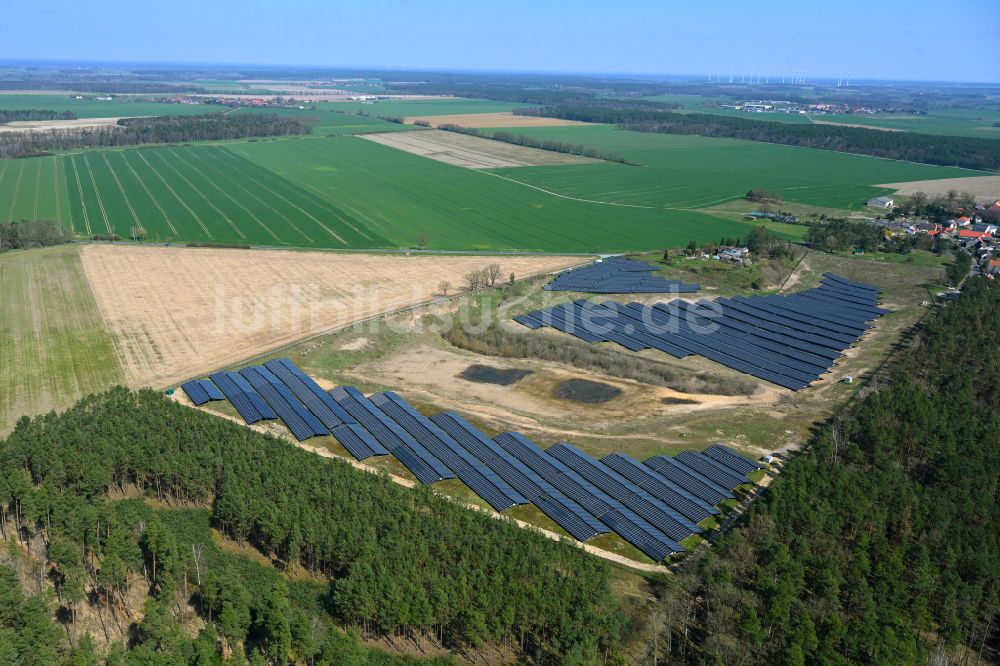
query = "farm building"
x=880 y=202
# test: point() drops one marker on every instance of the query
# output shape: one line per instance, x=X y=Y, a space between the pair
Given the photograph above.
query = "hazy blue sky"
x=874 y=39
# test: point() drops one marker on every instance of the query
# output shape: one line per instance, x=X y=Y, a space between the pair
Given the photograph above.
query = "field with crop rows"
x=326 y=192
x=53 y=344
x=695 y=172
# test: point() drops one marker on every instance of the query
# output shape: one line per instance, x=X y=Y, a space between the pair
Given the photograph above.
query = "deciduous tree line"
x=34 y=114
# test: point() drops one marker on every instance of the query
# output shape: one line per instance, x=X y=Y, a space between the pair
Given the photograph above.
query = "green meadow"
x=691 y=172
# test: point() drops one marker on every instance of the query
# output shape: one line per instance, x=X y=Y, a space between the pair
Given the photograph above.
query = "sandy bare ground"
x=51 y=125
x=983 y=187
x=471 y=152
x=180 y=312
x=431 y=373
x=499 y=119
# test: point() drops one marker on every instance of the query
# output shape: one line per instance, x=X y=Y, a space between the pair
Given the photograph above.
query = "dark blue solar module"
x=790 y=341
x=668 y=492
x=211 y=389
x=630 y=526
x=424 y=465
x=258 y=402
x=617 y=275
x=322 y=395
x=667 y=520
x=511 y=470
x=469 y=469
x=689 y=479
x=196 y=392
x=731 y=459
x=358 y=441
x=710 y=469
x=582 y=522
x=314 y=403
x=290 y=414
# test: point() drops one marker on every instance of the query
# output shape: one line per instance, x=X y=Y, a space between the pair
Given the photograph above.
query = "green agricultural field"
x=92 y=108
x=33 y=189
x=691 y=172
x=53 y=344
x=399 y=196
x=339 y=192
x=204 y=193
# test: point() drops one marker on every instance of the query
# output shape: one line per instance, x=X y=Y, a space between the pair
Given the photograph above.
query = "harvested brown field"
x=499 y=119
x=472 y=152
x=50 y=125
x=983 y=187
x=176 y=313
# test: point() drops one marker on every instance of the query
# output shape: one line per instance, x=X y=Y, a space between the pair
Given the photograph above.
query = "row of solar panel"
x=584 y=496
x=617 y=275
x=201 y=391
x=787 y=340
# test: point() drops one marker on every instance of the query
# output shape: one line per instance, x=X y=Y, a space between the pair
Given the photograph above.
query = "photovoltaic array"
x=653 y=505
x=617 y=275
x=787 y=340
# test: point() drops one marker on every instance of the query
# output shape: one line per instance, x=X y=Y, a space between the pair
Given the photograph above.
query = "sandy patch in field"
x=983 y=187
x=499 y=119
x=50 y=125
x=874 y=127
x=471 y=152
x=430 y=373
x=181 y=312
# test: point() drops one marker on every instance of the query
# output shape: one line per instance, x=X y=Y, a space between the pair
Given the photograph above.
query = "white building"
x=880 y=202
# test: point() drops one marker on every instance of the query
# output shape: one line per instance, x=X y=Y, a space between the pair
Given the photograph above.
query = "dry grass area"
x=874 y=127
x=180 y=312
x=983 y=187
x=472 y=152
x=52 y=125
x=498 y=119
x=430 y=373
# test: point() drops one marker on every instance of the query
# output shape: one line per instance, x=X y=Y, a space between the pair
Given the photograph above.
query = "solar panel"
x=668 y=492
x=426 y=467
x=358 y=441
x=196 y=392
x=211 y=389
x=670 y=522
x=731 y=459
x=706 y=467
x=473 y=473
x=278 y=402
x=240 y=381
x=617 y=275
x=689 y=479
x=301 y=391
